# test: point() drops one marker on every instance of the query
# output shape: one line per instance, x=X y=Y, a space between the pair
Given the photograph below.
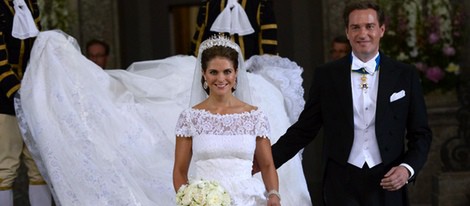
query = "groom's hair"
x=363 y=5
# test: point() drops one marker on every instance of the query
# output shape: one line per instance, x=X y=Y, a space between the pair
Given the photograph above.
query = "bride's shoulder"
x=253 y=110
x=200 y=106
x=249 y=108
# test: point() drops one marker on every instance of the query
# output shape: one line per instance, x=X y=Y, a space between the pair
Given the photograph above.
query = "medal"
x=364 y=84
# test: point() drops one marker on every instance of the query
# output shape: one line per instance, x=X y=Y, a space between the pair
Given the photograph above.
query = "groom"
x=368 y=104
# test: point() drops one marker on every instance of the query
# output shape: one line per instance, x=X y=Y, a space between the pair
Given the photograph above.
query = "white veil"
x=96 y=134
x=242 y=91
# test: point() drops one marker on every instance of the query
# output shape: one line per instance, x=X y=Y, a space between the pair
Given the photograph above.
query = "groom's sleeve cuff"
x=409 y=168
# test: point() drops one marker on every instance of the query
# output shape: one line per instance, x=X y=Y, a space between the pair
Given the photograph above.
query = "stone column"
x=442 y=110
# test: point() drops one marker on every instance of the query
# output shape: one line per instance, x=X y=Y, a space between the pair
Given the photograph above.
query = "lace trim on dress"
x=193 y=122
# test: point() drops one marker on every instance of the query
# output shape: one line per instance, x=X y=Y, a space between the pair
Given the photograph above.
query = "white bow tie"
x=369 y=66
x=233 y=20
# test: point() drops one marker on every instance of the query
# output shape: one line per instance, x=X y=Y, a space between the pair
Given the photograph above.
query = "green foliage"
x=55 y=14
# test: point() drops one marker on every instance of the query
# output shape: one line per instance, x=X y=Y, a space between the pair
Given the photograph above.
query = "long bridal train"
x=106 y=137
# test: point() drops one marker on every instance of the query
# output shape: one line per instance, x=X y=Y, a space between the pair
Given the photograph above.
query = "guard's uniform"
x=14 y=56
x=262 y=19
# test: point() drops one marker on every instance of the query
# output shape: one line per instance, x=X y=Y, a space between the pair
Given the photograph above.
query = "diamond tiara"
x=218 y=40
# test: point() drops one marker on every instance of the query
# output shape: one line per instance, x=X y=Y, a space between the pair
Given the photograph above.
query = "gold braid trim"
x=9 y=7
x=6 y=74
x=13 y=90
x=222 y=5
x=268 y=26
x=6 y=188
x=267 y=41
x=241 y=42
x=3 y=63
x=244 y=4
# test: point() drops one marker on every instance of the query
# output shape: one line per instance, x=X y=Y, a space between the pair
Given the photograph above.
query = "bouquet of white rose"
x=202 y=193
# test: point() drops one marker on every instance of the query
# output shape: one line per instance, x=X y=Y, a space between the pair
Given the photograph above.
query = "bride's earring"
x=205 y=85
x=235 y=85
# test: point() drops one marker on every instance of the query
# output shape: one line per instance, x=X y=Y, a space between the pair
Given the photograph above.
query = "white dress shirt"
x=365 y=148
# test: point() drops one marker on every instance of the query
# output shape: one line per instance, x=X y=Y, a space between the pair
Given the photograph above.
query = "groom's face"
x=364 y=33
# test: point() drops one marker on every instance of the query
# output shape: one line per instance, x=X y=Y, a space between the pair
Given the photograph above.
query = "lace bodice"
x=222 y=136
x=223 y=149
x=193 y=122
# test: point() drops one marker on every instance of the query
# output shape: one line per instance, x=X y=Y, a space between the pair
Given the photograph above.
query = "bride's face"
x=220 y=76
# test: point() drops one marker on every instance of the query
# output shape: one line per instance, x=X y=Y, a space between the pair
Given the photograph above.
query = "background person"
x=98 y=52
x=340 y=47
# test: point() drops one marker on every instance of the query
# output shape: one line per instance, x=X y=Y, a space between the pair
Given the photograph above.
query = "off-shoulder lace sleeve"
x=262 y=128
x=183 y=125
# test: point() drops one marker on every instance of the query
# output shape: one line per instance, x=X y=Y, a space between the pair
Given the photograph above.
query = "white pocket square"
x=397 y=95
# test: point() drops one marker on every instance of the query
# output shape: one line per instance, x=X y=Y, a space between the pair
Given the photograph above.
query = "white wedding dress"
x=223 y=147
x=107 y=137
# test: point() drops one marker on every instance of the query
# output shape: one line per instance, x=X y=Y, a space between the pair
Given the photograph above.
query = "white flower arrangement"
x=202 y=193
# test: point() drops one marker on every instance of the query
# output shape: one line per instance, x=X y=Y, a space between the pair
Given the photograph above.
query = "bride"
x=107 y=137
x=222 y=133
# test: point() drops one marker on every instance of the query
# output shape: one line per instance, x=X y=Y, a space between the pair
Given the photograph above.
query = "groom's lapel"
x=388 y=77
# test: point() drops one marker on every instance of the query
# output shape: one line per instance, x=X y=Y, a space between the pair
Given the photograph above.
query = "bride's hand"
x=274 y=201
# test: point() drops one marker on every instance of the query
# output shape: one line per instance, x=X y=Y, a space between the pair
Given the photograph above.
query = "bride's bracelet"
x=275 y=193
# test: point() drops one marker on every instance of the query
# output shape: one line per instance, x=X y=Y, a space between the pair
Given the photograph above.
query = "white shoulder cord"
x=233 y=19
x=23 y=22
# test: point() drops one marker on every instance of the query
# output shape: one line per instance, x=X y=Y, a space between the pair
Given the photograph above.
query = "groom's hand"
x=395 y=179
